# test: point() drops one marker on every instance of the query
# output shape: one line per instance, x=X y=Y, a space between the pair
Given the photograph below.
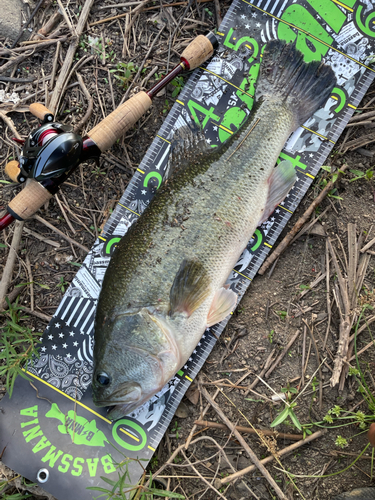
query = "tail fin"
x=284 y=75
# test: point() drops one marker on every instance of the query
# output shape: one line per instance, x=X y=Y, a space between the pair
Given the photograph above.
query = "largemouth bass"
x=165 y=283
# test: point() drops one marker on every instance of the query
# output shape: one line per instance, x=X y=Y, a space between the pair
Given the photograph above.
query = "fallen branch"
x=249 y=430
x=298 y=225
x=247 y=448
x=9 y=265
x=221 y=482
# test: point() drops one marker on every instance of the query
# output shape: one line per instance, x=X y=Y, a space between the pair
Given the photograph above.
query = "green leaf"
x=281 y=417
x=357 y=172
x=294 y=419
x=326 y=168
x=165 y=494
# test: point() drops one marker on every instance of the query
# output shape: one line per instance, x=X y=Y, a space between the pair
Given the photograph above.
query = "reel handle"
x=41 y=112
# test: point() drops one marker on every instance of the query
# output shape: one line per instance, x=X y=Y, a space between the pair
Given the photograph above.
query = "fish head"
x=133 y=360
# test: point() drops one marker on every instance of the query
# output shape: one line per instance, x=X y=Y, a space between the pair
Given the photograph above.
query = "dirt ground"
x=276 y=306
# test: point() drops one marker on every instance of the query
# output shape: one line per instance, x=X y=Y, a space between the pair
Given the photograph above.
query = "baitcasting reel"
x=50 y=153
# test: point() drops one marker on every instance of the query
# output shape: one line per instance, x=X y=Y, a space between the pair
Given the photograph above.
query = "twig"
x=303 y=357
x=362 y=116
x=345 y=321
x=9 y=265
x=367 y=246
x=135 y=11
x=247 y=448
x=54 y=66
x=30 y=278
x=16 y=80
x=37 y=314
x=30 y=51
x=65 y=214
x=69 y=56
x=362 y=140
x=67 y=20
x=298 y=225
x=218 y=13
x=12 y=297
x=50 y=24
x=203 y=413
x=319 y=364
x=281 y=356
x=10 y=124
x=41 y=238
x=200 y=475
x=329 y=312
x=67 y=238
x=249 y=430
x=90 y=104
x=228 y=479
x=141 y=66
x=265 y=368
x=27 y=23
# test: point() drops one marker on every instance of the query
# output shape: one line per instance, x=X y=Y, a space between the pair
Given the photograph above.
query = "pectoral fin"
x=223 y=304
x=190 y=288
x=280 y=182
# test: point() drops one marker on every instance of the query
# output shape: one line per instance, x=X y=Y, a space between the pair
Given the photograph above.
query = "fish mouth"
x=124 y=395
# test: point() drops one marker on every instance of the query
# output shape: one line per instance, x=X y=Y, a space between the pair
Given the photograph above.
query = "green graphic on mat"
x=80 y=429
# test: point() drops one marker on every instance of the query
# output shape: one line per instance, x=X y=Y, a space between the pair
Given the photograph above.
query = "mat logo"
x=80 y=429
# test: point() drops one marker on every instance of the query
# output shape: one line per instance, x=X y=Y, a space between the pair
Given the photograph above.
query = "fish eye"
x=103 y=379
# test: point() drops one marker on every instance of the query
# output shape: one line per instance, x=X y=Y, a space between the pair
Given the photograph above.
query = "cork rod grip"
x=119 y=121
x=40 y=111
x=198 y=51
x=27 y=202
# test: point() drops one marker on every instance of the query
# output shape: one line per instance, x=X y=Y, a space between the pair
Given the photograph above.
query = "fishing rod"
x=52 y=152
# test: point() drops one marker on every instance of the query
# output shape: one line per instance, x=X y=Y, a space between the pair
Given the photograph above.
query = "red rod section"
x=5 y=221
x=168 y=78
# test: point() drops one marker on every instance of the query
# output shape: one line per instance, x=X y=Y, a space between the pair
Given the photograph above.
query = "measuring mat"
x=51 y=432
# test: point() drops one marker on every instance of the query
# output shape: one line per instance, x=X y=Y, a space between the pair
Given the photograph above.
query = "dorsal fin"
x=187 y=145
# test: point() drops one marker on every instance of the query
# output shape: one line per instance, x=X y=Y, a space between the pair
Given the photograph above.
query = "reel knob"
x=13 y=171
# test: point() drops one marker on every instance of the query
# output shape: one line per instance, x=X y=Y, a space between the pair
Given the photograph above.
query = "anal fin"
x=280 y=182
x=223 y=304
